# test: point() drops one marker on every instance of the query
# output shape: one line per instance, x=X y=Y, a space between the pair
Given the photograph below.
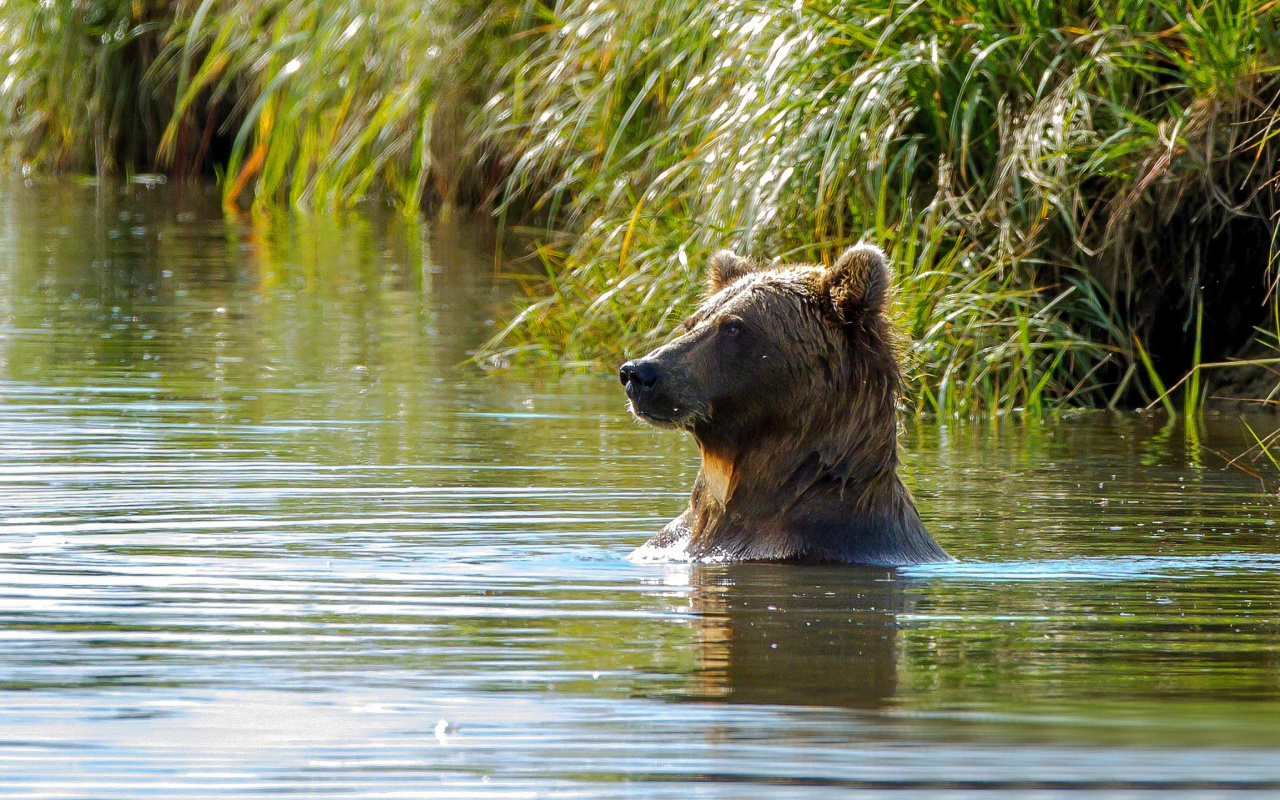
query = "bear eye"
x=732 y=328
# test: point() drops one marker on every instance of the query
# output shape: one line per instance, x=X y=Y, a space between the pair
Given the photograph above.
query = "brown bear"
x=788 y=378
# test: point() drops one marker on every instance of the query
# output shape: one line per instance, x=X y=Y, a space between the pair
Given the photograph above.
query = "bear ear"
x=857 y=283
x=724 y=268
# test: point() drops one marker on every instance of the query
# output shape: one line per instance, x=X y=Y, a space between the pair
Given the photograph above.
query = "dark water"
x=264 y=532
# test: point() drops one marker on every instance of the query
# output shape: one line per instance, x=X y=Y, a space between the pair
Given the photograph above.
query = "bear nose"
x=639 y=375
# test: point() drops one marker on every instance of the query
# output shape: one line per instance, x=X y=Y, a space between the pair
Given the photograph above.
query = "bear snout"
x=639 y=376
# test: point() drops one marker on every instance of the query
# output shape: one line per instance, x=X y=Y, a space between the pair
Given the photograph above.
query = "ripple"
x=1119 y=568
x=268 y=551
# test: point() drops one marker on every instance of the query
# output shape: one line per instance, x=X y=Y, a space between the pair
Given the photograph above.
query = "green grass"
x=1049 y=178
x=75 y=93
x=308 y=103
x=1078 y=197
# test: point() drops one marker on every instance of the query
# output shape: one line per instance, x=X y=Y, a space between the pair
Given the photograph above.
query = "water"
x=264 y=532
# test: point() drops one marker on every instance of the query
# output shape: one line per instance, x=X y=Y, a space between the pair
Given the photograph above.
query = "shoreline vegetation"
x=1080 y=198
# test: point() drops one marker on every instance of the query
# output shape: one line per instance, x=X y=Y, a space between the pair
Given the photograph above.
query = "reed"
x=75 y=93
x=1051 y=179
x=1079 y=197
x=308 y=103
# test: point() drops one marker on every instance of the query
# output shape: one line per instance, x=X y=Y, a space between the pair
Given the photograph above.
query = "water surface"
x=263 y=531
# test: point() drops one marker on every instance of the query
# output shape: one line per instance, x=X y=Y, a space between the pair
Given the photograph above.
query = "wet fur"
x=798 y=434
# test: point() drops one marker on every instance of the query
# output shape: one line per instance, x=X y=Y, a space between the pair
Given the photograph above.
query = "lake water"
x=264 y=531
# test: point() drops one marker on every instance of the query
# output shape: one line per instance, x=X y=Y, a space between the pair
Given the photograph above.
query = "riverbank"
x=301 y=103
x=1079 y=202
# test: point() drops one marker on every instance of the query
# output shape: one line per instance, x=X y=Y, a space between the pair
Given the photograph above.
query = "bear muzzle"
x=639 y=376
x=642 y=379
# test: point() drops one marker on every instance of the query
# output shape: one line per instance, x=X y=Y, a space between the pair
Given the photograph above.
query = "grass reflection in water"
x=257 y=522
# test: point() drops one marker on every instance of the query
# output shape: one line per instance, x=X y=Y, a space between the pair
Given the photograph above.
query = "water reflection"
x=249 y=485
x=774 y=634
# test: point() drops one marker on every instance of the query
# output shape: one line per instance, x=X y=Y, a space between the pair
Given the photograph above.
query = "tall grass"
x=1051 y=179
x=310 y=103
x=75 y=93
x=1079 y=197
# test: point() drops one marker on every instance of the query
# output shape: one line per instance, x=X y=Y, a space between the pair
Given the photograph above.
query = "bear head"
x=799 y=348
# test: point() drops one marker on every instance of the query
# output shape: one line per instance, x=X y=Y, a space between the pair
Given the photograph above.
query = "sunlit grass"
x=75 y=94
x=1047 y=177
x=313 y=104
x=1077 y=197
